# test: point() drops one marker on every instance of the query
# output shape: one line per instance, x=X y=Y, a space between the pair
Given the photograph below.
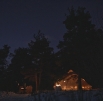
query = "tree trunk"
x=79 y=82
x=39 y=80
x=79 y=64
x=36 y=77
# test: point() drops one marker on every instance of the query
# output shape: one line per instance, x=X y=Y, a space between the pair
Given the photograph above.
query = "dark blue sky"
x=20 y=19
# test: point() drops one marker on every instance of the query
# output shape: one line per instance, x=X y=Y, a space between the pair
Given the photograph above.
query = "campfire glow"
x=57 y=84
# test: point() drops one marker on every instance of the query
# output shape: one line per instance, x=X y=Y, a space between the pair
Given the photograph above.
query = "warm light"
x=64 y=81
x=22 y=88
x=64 y=87
x=71 y=87
x=82 y=87
x=75 y=86
x=58 y=85
x=83 y=79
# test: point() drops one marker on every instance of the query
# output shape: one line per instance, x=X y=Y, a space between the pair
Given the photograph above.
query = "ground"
x=93 y=95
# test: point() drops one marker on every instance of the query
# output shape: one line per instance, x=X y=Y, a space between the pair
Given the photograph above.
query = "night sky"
x=21 y=19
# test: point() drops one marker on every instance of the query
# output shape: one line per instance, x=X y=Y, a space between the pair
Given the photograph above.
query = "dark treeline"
x=38 y=65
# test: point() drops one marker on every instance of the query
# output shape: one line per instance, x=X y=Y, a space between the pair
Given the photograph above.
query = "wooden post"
x=36 y=79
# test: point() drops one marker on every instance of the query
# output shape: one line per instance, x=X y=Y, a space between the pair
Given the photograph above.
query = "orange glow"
x=82 y=87
x=22 y=88
x=75 y=86
x=58 y=85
